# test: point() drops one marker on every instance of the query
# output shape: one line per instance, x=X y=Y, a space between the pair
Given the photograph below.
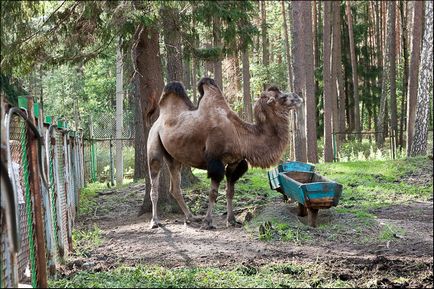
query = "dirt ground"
x=342 y=244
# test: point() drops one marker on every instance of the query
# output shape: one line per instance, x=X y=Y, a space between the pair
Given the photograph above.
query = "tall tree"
x=354 y=69
x=148 y=80
x=382 y=120
x=172 y=42
x=172 y=39
x=392 y=72
x=216 y=31
x=414 y=70
x=424 y=90
x=403 y=8
x=265 y=42
x=287 y=48
x=299 y=74
x=339 y=74
x=310 y=103
x=328 y=147
x=119 y=112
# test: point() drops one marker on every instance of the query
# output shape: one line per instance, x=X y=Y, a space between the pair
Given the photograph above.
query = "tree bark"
x=328 y=152
x=287 y=48
x=119 y=113
x=310 y=103
x=149 y=85
x=265 y=42
x=414 y=70
x=354 y=69
x=246 y=85
x=298 y=65
x=172 y=41
x=424 y=90
x=392 y=63
x=218 y=74
x=336 y=69
x=404 y=36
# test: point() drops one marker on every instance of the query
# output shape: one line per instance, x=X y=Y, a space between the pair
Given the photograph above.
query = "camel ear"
x=271 y=100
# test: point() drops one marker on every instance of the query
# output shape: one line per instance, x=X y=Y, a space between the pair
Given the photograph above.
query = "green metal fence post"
x=334 y=147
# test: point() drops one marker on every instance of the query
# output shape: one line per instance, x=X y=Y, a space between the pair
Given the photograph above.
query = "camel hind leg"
x=175 y=187
x=155 y=152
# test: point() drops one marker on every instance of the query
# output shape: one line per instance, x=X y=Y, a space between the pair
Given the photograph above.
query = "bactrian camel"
x=212 y=137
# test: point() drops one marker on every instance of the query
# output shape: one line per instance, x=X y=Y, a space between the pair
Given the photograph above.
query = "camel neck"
x=265 y=143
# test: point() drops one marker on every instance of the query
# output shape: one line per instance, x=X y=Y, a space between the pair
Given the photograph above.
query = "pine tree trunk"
x=172 y=41
x=414 y=70
x=385 y=82
x=392 y=63
x=265 y=42
x=218 y=73
x=328 y=147
x=403 y=12
x=149 y=84
x=310 y=103
x=119 y=113
x=246 y=85
x=354 y=69
x=287 y=48
x=336 y=67
x=340 y=76
x=424 y=90
x=298 y=66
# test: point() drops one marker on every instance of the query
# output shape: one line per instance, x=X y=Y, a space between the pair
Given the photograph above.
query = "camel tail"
x=202 y=82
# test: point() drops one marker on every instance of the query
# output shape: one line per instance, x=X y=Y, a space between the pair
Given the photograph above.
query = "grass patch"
x=271 y=276
x=390 y=232
x=85 y=241
x=376 y=184
x=88 y=197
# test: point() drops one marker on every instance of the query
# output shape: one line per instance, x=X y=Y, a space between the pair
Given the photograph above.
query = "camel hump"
x=176 y=88
x=204 y=81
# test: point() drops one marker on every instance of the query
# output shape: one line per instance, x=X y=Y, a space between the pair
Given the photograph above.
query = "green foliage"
x=287 y=275
x=84 y=241
x=88 y=196
x=373 y=184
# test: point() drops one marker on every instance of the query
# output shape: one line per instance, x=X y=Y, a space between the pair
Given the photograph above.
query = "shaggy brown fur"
x=212 y=137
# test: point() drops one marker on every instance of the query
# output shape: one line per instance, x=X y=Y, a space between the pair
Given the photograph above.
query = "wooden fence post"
x=35 y=189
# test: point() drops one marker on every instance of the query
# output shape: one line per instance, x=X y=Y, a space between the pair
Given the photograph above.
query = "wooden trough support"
x=311 y=191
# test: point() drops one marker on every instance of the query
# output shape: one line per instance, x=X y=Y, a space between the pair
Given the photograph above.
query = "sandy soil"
x=127 y=240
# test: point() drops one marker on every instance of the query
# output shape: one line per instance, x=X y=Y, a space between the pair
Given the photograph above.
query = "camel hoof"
x=193 y=219
x=154 y=224
x=208 y=225
x=234 y=223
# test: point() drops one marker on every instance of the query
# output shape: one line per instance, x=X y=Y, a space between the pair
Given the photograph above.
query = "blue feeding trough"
x=299 y=182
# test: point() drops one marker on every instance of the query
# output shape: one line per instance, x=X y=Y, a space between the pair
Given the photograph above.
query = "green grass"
x=271 y=276
x=375 y=184
x=89 y=194
x=85 y=241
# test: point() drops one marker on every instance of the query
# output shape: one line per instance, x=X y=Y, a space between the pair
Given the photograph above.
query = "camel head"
x=274 y=103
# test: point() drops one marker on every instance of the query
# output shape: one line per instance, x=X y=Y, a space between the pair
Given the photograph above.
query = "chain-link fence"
x=44 y=176
x=100 y=148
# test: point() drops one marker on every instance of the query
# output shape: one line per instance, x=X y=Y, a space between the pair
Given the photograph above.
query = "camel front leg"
x=207 y=222
x=233 y=173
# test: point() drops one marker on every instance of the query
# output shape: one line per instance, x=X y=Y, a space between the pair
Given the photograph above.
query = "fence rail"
x=42 y=173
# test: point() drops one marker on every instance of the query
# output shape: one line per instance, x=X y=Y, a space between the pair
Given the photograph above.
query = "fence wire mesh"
x=60 y=156
x=100 y=148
